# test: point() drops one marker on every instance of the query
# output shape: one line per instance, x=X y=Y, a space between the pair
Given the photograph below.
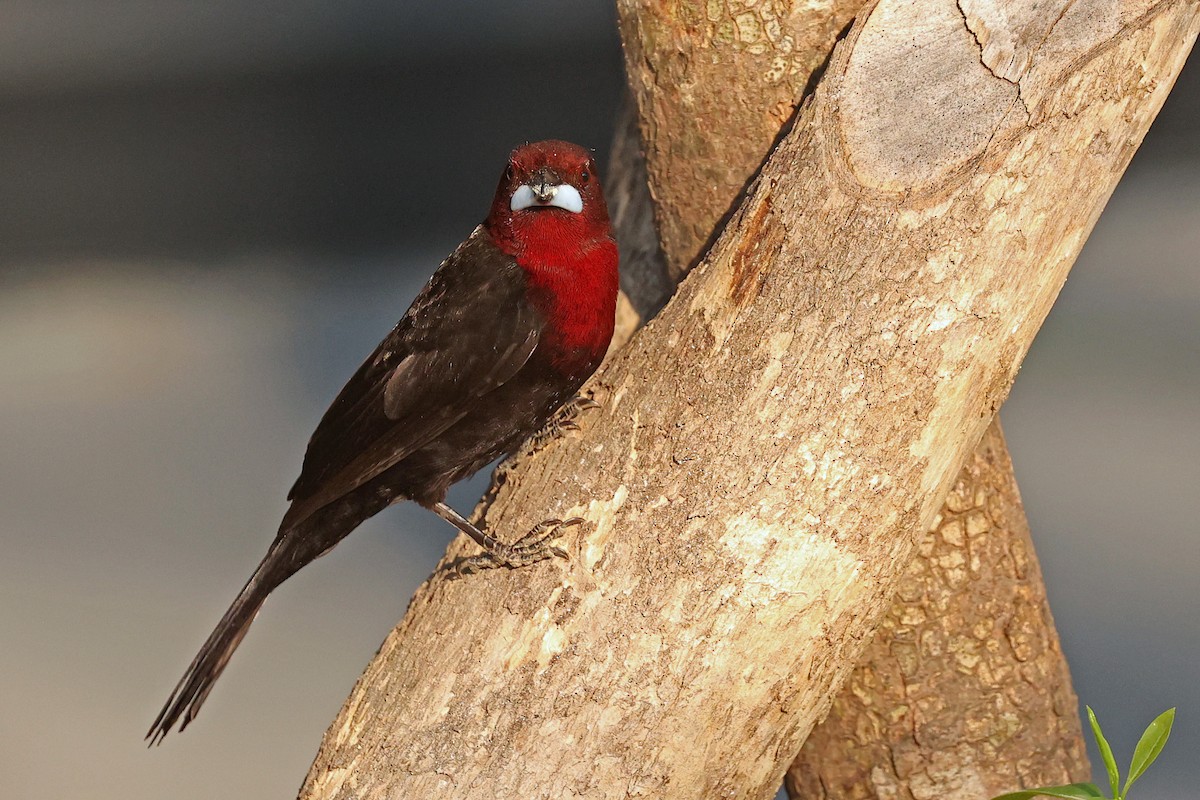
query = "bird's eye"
x=583 y=176
x=508 y=173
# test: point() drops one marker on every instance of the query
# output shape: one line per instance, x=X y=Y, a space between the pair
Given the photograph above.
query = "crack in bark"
x=962 y=12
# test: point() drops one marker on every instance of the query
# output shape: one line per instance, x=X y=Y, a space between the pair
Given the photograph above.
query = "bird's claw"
x=565 y=419
x=582 y=403
x=535 y=546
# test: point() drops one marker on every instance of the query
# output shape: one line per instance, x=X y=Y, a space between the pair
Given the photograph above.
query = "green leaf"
x=1149 y=746
x=1074 y=791
x=1110 y=763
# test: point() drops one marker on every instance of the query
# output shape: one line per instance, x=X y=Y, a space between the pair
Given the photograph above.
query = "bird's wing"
x=469 y=330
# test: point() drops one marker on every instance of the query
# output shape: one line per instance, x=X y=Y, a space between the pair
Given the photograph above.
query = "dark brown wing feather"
x=469 y=330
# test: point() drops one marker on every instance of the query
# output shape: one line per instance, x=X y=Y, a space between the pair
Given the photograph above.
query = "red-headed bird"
x=506 y=330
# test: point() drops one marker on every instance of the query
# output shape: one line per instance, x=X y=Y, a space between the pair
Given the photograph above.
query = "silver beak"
x=544 y=192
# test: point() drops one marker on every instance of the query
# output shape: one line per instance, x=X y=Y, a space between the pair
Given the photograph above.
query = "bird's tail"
x=193 y=688
x=299 y=542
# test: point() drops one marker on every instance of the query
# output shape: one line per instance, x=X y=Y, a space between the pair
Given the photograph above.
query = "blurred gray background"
x=212 y=212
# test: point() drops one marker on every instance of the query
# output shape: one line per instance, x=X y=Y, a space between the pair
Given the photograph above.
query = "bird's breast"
x=577 y=294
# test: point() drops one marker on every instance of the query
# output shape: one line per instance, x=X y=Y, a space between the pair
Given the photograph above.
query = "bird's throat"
x=572 y=281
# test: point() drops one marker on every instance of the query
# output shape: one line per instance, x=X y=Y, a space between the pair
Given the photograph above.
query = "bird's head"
x=549 y=189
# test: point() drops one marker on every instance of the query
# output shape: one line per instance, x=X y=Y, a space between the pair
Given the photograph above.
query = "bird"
x=506 y=331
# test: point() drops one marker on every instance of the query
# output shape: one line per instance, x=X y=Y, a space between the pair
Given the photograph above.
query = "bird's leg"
x=535 y=546
x=563 y=420
x=463 y=524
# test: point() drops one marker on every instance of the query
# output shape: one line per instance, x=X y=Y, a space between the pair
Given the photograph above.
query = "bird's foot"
x=565 y=419
x=537 y=545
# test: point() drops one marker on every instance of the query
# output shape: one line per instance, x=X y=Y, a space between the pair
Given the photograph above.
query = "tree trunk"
x=770 y=448
x=964 y=691
x=943 y=705
x=714 y=84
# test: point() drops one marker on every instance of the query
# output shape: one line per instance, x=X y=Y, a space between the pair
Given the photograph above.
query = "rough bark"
x=933 y=710
x=702 y=145
x=964 y=691
x=771 y=447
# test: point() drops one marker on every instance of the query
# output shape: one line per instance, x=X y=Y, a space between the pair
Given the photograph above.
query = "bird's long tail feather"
x=298 y=542
x=193 y=688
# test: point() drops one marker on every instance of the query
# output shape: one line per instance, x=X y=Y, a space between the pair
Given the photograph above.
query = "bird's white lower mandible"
x=565 y=196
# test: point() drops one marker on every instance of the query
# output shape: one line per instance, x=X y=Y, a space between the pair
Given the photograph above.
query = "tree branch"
x=964 y=692
x=944 y=703
x=772 y=445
